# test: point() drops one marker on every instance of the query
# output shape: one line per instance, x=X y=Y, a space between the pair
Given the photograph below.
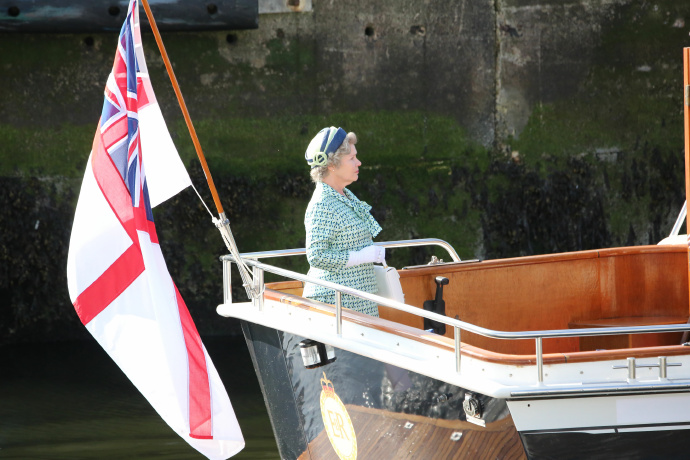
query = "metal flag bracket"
x=253 y=290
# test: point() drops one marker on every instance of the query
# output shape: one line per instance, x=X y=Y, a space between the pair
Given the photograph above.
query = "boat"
x=573 y=355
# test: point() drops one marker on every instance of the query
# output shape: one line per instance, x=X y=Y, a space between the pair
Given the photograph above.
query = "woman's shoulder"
x=323 y=201
x=331 y=208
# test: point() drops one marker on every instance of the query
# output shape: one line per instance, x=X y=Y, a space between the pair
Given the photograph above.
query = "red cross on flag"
x=117 y=278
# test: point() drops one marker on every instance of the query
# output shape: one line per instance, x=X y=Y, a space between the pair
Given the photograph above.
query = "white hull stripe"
x=616 y=429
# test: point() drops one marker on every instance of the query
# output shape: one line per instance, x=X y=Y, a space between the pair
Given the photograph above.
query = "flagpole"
x=254 y=289
x=183 y=107
x=686 y=128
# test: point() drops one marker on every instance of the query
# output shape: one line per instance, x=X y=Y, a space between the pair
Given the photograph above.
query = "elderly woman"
x=339 y=227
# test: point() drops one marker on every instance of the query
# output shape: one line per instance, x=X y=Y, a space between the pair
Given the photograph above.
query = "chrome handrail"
x=386 y=244
x=457 y=324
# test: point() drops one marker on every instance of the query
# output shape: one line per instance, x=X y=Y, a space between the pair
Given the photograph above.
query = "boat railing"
x=386 y=244
x=251 y=259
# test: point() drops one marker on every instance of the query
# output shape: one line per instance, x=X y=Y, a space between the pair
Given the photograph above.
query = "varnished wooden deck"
x=382 y=435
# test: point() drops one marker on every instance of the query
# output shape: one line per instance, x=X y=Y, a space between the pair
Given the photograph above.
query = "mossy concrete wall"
x=506 y=127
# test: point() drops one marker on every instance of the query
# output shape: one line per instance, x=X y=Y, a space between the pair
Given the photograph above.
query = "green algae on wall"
x=56 y=152
x=262 y=146
x=638 y=172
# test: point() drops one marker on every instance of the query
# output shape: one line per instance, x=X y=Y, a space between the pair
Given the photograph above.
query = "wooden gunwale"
x=542 y=259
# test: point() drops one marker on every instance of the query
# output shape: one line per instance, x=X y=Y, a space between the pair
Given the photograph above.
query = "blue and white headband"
x=325 y=143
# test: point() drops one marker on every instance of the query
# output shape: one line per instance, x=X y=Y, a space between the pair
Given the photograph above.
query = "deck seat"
x=610 y=342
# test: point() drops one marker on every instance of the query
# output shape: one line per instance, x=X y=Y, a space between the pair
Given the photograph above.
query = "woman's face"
x=348 y=170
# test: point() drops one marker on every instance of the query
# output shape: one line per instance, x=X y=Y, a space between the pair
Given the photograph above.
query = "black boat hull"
x=356 y=407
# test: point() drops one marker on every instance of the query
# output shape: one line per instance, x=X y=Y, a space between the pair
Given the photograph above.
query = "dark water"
x=70 y=401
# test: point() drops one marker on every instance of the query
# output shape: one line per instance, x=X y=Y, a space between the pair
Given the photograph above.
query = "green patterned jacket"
x=335 y=225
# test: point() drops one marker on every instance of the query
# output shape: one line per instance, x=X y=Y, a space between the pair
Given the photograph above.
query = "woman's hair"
x=320 y=172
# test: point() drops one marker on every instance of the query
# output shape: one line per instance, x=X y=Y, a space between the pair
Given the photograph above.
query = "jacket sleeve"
x=322 y=227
